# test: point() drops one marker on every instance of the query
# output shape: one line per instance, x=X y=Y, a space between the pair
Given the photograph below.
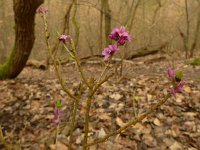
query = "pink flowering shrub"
x=121 y=37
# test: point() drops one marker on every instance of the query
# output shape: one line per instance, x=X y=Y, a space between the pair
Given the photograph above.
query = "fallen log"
x=141 y=52
x=96 y=59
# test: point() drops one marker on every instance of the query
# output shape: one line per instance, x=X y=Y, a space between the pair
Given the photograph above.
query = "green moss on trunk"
x=5 y=68
x=24 y=38
x=3 y=71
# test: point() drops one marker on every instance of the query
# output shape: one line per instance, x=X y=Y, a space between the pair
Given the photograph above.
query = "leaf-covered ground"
x=26 y=108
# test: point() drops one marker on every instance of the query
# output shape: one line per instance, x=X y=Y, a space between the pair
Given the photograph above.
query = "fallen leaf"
x=179 y=98
x=101 y=133
x=187 y=89
x=149 y=97
x=116 y=96
x=149 y=140
x=35 y=105
x=157 y=122
x=104 y=116
x=136 y=98
x=58 y=146
x=176 y=146
x=120 y=122
x=138 y=127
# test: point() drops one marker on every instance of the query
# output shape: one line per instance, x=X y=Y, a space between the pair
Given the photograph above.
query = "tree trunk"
x=24 y=11
x=107 y=20
x=3 y=45
x=187 y=44
x=196 y=34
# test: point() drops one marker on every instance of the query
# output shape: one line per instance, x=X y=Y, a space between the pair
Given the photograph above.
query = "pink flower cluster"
x=178 y=84
x=42 y=10
x=120 y=35
x=64 y=38
x=109 y=51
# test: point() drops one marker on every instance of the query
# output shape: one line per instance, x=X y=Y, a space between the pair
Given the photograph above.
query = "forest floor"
x=26 y=105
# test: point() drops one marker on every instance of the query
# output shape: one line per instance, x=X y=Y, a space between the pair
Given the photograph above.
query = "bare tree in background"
x=196 y=33
x=65 y=27
x=75 y=22
x=156 y=12
x=188 y=42
x=131 y=16
x=101 y=26
x=24 y=11
x=3 y=45
x=107 y=18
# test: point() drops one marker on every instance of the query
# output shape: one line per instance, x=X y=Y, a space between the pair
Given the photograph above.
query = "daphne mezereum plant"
x=121 y=37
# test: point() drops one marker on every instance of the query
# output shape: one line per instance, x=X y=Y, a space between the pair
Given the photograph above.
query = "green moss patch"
x=195 y=62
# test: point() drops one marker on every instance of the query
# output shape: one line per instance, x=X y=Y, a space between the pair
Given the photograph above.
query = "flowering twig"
x=177 y=81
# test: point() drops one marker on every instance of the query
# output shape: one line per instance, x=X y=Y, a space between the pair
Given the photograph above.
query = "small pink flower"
x=114 y=34
x=120 y=35
x=42 y=10
x=177 y=81
x=64 y=38
x=171 y=73
x=172 y=91
x=57 y=114
x=109 y=51
x=178 y=88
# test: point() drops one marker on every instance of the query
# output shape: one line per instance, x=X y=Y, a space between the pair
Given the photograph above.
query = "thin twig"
x=87 y=118
x=103 y=73
x=47 y=39
x=57 y=133
x=78 y=63
x=131 y=122
x=72 y=126
x=63 y=85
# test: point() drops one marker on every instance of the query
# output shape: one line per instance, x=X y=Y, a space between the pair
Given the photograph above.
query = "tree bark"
x=107 y=19
x=187 y=30
x=24 y=11
x=196 y=35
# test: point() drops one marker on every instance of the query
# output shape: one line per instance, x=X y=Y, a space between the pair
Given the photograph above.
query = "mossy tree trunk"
x=24 y=11
x=3 y=45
